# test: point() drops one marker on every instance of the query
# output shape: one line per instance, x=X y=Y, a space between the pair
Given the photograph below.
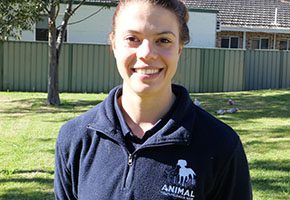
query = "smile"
x=147 y=71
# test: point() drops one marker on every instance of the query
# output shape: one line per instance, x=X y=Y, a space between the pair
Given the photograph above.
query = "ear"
x=112 y=40
x=180 y=49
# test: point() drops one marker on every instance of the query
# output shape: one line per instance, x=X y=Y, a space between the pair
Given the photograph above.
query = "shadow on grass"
x=51 y=172
x=27 y=192
x=281 y=165
x=274 y=133
x=41 y=181
x=51 y=151
x=32 y=106
x=35 y=103
x=264 y=147
x=276 y=183
x=63 y=119
x=22 y=172
x=47 y=140
x=252 y=105
x=271 y=185
x=23 y=194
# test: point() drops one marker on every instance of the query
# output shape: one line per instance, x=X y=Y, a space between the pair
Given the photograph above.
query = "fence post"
x=1 y=64
x=281 y=69
x=70 y=67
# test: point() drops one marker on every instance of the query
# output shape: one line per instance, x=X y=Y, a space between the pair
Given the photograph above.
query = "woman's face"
x=147 y=48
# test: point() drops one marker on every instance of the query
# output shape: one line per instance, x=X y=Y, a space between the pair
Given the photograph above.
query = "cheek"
x=171 y=57
x=122 y=53
x=125 y=59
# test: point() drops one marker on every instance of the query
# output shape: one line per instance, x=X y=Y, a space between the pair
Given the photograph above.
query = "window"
x=256 y=44
x=234 y=42
x=225 y=43
x=284 y=45
x=230 y=42
x=264 y=43
x=260 y=43
x=42 y=30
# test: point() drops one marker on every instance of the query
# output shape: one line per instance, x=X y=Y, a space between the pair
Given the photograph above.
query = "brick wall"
x=251 y=36
x=228 y=34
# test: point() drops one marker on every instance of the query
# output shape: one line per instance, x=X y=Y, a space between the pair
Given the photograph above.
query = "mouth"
x=144 y=71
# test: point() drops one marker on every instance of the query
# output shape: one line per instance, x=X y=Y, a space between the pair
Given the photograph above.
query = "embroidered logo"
x=181 y=182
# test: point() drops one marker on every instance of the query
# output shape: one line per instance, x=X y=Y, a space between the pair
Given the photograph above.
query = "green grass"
x=28 y=130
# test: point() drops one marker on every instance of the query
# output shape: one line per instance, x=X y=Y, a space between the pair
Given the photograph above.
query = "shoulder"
x=203 y=126
x=210 y=123
x=75 y=130
x=215 y=134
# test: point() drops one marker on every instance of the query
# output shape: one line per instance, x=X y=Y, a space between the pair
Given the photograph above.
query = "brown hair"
x=175 y=6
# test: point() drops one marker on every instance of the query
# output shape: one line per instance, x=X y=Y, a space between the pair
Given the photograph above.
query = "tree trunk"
x=55 y=43
x=53 y=92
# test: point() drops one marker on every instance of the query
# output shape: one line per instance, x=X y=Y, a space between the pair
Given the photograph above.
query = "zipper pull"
x=130 y=160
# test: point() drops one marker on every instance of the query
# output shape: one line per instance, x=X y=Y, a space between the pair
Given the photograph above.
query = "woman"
x=147 y=140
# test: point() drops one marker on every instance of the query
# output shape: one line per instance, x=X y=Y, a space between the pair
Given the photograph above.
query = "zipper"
x=131 y=155
x=130 y=160
x=129 y=171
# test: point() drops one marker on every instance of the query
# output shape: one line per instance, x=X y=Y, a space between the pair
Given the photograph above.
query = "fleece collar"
x=178 y=129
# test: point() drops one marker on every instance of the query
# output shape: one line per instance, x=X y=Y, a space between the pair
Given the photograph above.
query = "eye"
x=163 y=41
x=132 y=39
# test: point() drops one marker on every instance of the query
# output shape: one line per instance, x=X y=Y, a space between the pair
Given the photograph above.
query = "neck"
x=142 y=112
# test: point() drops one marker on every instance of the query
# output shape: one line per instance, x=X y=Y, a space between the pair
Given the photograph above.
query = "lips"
x=147 y=71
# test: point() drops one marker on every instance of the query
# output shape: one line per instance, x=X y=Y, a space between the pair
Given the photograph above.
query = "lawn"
x=28 y=130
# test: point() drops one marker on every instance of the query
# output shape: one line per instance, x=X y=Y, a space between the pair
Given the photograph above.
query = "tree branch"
x=57 y=9
x=61 y=34
x=47 y=10
x=77 y=7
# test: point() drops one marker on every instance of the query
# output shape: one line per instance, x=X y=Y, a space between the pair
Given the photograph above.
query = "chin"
x=145 y=90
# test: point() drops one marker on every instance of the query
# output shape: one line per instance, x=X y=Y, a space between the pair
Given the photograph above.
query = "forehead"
x=145 y=16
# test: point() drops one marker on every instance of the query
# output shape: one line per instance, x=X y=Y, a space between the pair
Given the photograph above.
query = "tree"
x=55 y=40
x=18 y=15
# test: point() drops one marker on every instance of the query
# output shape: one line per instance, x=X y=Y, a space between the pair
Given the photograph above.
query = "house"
x=250 y=24
x=92 y=24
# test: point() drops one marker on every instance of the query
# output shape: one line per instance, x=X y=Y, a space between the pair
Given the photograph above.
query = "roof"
x=98 y=2
x=248 y=13
x=102 y=1
x=238 y=13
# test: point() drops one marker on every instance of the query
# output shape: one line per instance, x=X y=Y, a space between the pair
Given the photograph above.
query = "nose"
x=146 y=50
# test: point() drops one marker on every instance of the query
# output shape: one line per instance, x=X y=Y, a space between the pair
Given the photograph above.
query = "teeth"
x=147 y=71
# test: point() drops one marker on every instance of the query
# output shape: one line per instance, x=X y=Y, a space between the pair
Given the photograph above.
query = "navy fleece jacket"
x=193 y=156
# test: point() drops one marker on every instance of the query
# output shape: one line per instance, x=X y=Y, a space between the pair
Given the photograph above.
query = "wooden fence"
x=92 y=68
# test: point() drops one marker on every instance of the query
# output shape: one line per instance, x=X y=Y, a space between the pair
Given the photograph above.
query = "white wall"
x=28 y=35
x=202 y=26
x=96 y=29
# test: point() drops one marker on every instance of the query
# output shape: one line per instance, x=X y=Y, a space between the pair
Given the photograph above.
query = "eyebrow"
x=167 y=32
x=160 y=33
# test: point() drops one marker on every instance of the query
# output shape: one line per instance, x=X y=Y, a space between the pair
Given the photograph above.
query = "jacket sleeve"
x=234 y=180
x=63 y=188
